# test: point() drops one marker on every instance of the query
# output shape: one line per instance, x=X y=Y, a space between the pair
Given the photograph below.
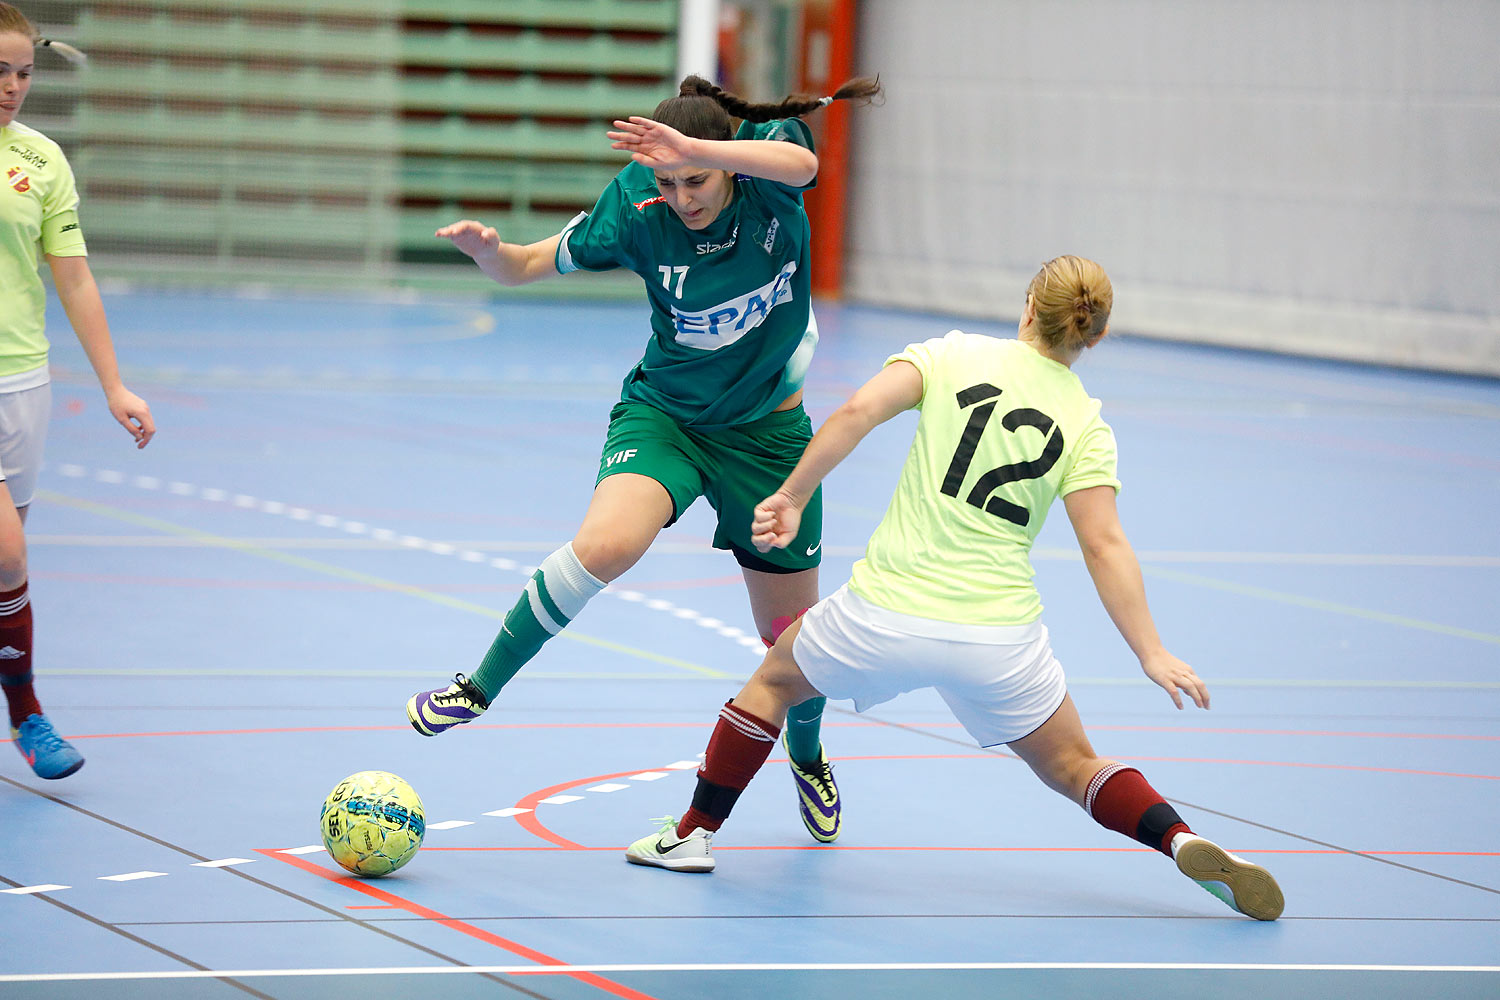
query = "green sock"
x=521 y=635
x=554 y=595
x=803 y=725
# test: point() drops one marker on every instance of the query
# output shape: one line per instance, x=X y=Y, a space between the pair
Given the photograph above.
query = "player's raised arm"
x=510 y=264
x=661 y=147
x=897 y=388
x=1117 y=577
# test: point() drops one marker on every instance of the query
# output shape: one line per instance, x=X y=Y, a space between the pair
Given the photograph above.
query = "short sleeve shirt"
x=731 y=316
x=1003 y=431
x=38 y=214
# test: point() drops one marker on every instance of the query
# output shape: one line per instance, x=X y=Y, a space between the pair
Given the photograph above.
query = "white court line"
x=510 y=811
x=560 y=800
x=223 y=862
x=309 y=849
x=568 y=970
x=452 y=824
x=27 y=890
x=131 y=876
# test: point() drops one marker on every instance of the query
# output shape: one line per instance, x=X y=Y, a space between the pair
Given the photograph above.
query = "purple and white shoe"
x=433 y=712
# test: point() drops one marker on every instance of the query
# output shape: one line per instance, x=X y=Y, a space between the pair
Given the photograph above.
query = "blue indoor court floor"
x=345 y=496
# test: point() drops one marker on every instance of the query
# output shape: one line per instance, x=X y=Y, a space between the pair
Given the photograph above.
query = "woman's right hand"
x=473 y=238
x=777 y=520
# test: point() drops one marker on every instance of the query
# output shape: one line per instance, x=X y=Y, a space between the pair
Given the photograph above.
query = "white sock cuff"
x=1105 y=773
x=569 y=585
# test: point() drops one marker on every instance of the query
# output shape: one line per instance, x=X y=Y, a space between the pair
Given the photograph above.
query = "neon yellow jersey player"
x=38 y=217
x=712 y=221
x=944 y=596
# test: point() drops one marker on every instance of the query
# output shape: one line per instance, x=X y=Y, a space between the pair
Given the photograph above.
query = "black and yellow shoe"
x=817 y=796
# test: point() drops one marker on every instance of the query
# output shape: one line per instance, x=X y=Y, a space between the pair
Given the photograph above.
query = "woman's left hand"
x=133 y=414
x=652 y=144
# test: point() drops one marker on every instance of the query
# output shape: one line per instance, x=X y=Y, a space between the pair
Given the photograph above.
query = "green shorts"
x=735 y=469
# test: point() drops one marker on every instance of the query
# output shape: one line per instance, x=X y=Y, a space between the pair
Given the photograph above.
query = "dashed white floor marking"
x=131 y=876
x=452 y=824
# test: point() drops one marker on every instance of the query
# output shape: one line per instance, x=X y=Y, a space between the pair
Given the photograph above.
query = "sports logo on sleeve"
x=18 y=179
x=721 y=325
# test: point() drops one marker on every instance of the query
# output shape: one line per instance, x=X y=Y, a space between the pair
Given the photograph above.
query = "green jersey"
x=1003 y=432
x=732 y=331
x=38 y=214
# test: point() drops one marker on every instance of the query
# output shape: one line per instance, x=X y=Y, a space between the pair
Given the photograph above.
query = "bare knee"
x=607 y=557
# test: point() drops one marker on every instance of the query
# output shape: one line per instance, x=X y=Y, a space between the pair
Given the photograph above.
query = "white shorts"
x=1001 y=681
x=23 y=435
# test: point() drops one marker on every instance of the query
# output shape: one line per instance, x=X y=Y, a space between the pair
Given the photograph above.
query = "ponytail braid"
x=702 y=109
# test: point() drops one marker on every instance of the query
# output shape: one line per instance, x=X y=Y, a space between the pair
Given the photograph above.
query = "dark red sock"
x=1120 y=799
x=739 y=746
x=15 y=654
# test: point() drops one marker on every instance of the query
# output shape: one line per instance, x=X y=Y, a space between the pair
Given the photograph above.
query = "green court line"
x=1316 y=604
x=380 y=583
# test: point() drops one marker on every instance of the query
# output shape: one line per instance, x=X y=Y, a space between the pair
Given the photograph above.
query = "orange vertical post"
x=827 y=61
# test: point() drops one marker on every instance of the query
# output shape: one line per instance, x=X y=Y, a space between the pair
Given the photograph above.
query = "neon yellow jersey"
x=38 y=214
x=1003 y=432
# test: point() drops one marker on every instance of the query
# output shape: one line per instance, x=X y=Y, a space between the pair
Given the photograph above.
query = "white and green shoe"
x=664 y=849
x=1245 y=887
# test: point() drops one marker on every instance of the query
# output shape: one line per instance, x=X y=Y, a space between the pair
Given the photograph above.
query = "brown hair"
x=1071 y=297
x=12 y=20
x=702 y=110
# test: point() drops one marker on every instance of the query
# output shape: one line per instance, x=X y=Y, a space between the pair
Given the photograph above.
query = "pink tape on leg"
x=780 y=625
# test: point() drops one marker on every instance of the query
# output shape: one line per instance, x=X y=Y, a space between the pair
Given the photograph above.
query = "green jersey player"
x=38 y=218
x=712 y=220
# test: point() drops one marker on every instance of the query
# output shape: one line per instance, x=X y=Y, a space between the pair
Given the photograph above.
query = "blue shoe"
x=434 y=712
x=817 y=796
x=49 y=755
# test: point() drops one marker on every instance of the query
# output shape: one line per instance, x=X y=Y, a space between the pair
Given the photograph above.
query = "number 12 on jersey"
x=984 y=397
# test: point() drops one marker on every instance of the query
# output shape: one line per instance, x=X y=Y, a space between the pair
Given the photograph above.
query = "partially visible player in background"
x=712 y=220
x=944 y=596
x=38 y=214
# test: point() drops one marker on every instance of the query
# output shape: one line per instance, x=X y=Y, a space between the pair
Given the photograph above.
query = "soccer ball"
x=372 y=823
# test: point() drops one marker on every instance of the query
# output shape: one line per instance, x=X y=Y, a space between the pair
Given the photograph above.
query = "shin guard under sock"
x=739 y=746
x=1120 y=799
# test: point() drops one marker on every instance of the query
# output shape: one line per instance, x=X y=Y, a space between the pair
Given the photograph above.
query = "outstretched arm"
x=1117 y=577
x=80 y=299
x=508 y=263
x=898 y=387
x=662 y=147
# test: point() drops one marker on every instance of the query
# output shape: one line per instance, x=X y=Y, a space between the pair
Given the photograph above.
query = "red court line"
x=530 y=954
x=531 y=824
x=821 y=848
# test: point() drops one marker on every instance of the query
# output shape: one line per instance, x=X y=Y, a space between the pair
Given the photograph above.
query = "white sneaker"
x=664 y=849
x=1247 y=888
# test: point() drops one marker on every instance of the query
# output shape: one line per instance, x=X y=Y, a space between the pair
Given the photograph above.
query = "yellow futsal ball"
x=372 y=823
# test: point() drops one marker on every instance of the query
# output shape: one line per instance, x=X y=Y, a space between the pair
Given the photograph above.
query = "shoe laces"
x=44 y=737
x=466 y=690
